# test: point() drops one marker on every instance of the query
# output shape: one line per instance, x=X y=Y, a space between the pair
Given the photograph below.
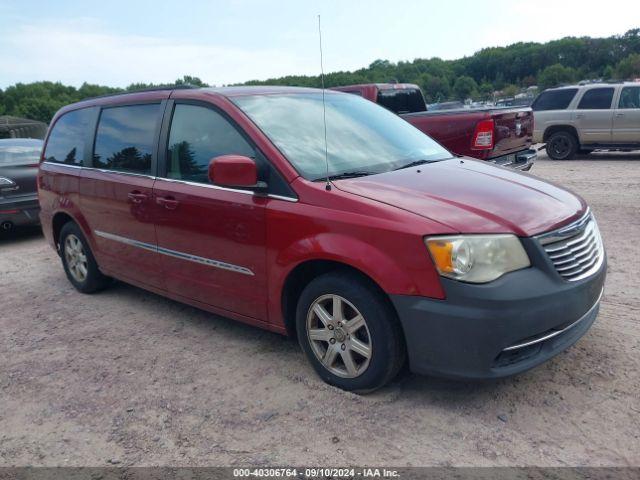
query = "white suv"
x=583 y=118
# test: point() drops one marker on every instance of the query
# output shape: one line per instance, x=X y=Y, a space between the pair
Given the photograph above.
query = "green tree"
x=510 y=90
x=464 y=87
x=629 y=67
x=555 y=75
x=435 y=89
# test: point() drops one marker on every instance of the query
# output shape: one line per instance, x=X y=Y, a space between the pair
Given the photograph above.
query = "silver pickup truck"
x=584 y=118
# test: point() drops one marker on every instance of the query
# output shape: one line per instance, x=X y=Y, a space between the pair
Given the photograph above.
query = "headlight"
x=477 y=258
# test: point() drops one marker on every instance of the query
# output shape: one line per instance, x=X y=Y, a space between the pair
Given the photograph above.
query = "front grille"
x=575 y=250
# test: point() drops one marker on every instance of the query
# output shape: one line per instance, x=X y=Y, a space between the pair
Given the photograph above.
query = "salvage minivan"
x=369 y=241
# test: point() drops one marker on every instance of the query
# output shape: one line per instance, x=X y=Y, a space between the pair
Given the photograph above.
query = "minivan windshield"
x=19 y=152
x=362 y=137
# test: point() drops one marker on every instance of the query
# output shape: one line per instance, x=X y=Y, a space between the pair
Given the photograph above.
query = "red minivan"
x=375 y=247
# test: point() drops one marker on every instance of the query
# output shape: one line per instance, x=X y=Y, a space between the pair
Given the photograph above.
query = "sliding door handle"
x=169 y=203
x=137 y=197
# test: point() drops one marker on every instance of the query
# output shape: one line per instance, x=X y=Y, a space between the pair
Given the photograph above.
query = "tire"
x=78 y=261
x=562 y=145
x=378 y=333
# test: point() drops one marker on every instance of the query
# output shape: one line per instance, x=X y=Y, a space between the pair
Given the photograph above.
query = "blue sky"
x=114 y=42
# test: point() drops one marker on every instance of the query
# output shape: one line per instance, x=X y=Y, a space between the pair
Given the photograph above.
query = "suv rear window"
x=66 y=142
x=596 y=99
x=126 y=138
x=554 y=99
x=406 y=100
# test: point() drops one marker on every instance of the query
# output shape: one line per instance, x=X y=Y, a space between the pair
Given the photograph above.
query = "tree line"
x=505 y=69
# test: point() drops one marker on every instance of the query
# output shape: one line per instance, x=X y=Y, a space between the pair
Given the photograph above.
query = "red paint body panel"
x=219 y=224
x=454 y=129
x=374 y=224
x=122 y=205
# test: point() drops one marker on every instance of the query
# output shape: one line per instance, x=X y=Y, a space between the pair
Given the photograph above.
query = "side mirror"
x=235 y=171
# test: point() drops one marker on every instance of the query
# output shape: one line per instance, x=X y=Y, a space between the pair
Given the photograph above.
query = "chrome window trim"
x=120 y=172
x=57 y=164
x=206 y=185
x=226 y=189
x=175 y=180
x=557 y=332
x=210 y=262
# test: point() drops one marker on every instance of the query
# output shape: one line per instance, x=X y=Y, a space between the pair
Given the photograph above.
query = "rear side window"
x=629 y=97
x=596 y=99
x=197 y=135
x=67 y=140
x=554 y=99
x=126 y=137
x=402 y=101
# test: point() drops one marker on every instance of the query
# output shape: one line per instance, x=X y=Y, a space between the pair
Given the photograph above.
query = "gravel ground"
x=130 y=378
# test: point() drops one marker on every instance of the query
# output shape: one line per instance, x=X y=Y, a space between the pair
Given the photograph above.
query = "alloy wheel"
x=339 y=336
x=76 y=258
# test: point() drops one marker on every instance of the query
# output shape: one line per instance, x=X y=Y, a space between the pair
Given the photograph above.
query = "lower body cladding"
x=19 y=211
x=519 y=161
x=493 y=330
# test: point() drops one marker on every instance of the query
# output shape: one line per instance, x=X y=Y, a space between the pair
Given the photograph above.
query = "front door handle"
x=619 y=114
x=579 y=115
x=137 y=197
x=169 y=203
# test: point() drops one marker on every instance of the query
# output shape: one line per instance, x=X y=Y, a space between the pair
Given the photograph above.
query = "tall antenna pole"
x=324 y=110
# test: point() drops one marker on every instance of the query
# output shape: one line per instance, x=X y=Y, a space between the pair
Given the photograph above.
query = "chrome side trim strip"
x=557 y=332
x=174 y=180
x=174 y=253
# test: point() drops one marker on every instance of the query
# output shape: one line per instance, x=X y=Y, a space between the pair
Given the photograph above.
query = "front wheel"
x=349 y=332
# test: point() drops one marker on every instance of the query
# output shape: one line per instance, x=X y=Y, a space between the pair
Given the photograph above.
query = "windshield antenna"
x=324 y=111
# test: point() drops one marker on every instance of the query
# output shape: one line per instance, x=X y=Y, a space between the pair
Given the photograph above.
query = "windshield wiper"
x=413 y=164
x=343 y=175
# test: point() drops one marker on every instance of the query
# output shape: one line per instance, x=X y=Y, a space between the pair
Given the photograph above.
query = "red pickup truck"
x=499 y=135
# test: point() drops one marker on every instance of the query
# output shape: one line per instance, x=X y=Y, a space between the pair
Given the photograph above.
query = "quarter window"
x=629 y=98
x=66 y=142
x=596 y=99
x=197 y=135
x=126 y=138
x=554 y=99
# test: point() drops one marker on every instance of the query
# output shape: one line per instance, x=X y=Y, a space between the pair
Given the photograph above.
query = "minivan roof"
x=165 y=92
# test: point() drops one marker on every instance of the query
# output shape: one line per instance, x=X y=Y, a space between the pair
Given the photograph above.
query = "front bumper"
x=501 y=328
x=20 y=211
x=520 y=161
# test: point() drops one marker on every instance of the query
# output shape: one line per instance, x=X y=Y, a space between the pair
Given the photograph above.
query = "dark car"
x=19 y=159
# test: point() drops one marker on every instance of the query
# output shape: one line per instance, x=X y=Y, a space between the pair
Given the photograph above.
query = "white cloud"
x=81 y=50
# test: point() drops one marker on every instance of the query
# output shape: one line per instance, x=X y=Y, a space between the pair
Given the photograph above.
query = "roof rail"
x=142 y=90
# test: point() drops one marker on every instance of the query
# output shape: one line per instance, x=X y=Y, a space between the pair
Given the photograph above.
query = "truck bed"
x=455 y=129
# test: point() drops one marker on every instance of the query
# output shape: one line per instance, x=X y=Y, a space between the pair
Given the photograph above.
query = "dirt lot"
x=127 y=377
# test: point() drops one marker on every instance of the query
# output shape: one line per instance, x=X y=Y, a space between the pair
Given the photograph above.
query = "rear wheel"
x=78 y=261
x=562 y=145
x=349 y=332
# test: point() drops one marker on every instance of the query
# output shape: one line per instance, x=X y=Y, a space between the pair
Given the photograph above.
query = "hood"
x=471 y=196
